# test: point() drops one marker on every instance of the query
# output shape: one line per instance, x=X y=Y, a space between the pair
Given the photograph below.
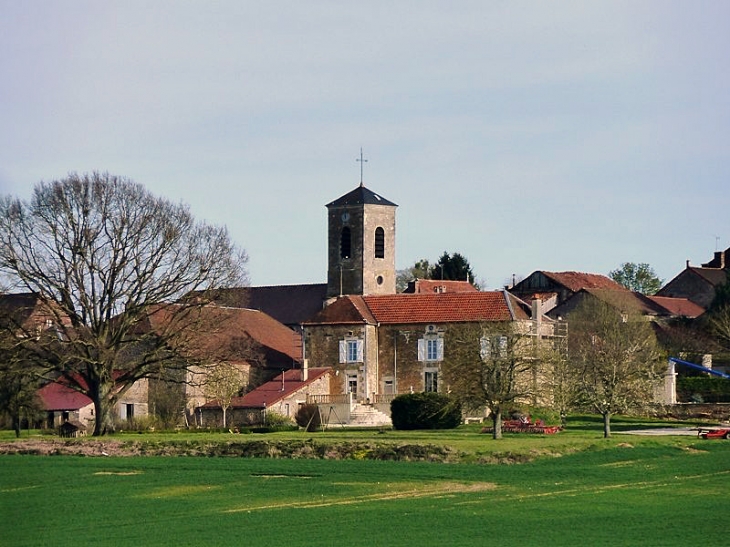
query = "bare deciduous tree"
x=104 y=254
x=223 y=381
x=488 y=365
x=614 y=357
x=557 y=386
x=719 y=321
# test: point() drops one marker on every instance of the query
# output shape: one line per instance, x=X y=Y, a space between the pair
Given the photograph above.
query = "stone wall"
x=322 y=345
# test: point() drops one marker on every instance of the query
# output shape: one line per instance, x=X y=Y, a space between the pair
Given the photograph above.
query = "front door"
x=352 y=384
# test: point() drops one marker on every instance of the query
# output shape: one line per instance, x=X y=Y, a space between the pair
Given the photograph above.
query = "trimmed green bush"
x=426 y=410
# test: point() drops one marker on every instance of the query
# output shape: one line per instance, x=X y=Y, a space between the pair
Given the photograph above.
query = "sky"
x=556 y=136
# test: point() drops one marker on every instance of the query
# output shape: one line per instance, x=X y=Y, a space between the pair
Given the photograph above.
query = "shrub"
x=426 y=410
x=703 y=389
x=308 y=417
x=274 y=419
x=547 y=415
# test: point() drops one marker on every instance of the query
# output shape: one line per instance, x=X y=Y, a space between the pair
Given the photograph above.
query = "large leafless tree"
x=615 y=359
x=105 y=255
x=489 y=365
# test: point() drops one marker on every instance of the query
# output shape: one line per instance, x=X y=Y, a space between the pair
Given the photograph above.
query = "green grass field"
x=583 y=490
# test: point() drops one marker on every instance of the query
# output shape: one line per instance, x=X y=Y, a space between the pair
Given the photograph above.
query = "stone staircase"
x=367 y=416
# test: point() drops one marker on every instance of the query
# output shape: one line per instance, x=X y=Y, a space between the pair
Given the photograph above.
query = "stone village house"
x=248 y=341
x=379 y=343
x=699 y=283
x=380 y=346
x=26 y=314
x=374 y=343
x=282 y=395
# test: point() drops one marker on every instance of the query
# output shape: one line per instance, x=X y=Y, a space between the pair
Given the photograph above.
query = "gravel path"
x=662 y=431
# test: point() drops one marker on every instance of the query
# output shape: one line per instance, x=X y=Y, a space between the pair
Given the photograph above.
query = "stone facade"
x=288 y=406
x=134 y=403
x=323 y=348
x=695 y=284
x=361 y=244
x=400 y=368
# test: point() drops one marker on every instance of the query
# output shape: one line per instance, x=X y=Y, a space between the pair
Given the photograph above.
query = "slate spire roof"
x=360 y=196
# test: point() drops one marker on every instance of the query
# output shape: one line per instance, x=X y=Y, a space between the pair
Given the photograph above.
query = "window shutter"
x=343 y=351
x=440 y=349
x=421 y=349
x=360 y=351
x=485 y=348
x=503 y=346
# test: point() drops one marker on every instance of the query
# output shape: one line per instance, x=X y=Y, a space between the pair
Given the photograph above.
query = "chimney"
x=305 y=370
x=537 y=311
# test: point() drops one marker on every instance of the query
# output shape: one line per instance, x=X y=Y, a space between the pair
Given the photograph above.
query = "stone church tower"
x=361 y=244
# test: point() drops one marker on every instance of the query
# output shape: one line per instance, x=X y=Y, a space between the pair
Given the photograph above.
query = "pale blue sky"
x=525 y=135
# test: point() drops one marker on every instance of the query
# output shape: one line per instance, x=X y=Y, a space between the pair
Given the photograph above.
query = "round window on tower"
x=379 y=280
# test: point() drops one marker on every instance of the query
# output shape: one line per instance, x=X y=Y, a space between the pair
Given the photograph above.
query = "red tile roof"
x=423 y=308
x=440 y=308
x=221 y=330
x=346 y=310
x=28 y=311
x=679 y=307
x=57 y=397
x=576 y=281
x=627 y=301
x=274 y=391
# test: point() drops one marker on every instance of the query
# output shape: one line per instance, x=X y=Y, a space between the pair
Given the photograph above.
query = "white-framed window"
x=431 y=380
x=489 y=345
x=431 y=349
x=351 y=351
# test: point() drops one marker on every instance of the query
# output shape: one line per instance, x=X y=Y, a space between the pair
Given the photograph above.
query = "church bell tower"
x=361 y=244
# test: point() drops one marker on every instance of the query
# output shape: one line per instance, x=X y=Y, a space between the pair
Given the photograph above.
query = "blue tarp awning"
x=700 y=367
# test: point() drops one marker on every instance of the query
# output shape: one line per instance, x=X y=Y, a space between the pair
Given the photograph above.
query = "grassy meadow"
x=575 y=488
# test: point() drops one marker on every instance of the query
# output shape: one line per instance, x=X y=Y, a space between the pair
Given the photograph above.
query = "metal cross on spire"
x=361 y=160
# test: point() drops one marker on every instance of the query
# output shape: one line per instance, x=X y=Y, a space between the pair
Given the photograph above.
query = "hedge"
x=703 y=389
x=426 y=410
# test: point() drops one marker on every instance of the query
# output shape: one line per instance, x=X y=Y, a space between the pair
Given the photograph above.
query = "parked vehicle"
x=713 y=432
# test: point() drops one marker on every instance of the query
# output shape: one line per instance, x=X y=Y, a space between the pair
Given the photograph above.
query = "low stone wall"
x=699 y=411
